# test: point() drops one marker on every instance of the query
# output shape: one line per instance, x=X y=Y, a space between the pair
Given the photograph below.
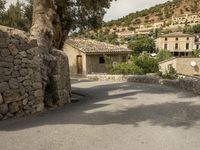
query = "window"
x=187 y=46
x=101 y=60
x=188 y=38
x=124 y=58
x=165 y=46
x=176 y=46
x=165 y=39
x=197 y=46
x=176 y=38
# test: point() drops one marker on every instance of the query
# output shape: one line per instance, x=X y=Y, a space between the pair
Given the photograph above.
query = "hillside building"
x=178 y=44
x=186 y=19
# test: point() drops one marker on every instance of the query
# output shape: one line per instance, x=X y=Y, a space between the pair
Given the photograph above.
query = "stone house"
x=178 y=44
x=88 y=56
x=185 y=66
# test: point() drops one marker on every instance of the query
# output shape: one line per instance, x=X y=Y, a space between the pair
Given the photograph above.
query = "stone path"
x=111 y=116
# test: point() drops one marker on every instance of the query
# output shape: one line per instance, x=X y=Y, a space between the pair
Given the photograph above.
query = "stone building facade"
x=182 y=66
x=178 y=44
x=24 y=78
x=89 y=56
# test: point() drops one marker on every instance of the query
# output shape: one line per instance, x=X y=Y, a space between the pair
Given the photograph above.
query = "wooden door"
x=79 y=64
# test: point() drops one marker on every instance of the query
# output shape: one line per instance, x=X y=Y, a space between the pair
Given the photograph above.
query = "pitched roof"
x=92 y=46
x=177 y=34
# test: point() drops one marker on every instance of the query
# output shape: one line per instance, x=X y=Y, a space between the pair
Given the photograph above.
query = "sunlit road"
x=111 y=116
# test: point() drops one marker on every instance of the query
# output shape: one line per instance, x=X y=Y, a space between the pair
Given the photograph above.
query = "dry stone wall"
x=23 y=75
x=189 y=84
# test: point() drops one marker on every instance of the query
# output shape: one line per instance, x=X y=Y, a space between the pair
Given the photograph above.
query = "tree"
x=2 y=9
x=64 y=16
x=163 y=55
x=196 y=28
x=2 y=6
x=142 y=44
x=14 y=16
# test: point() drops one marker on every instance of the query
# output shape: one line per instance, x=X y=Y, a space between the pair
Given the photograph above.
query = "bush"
x=126 y=68
x=170 y=73
x=196 y=53
x=148 y=64
x=163 y=55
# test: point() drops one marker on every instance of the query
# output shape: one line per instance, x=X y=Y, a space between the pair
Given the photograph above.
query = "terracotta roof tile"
x=92 y=46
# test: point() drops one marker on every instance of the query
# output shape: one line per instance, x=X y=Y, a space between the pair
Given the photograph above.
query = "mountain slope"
x=158 y=13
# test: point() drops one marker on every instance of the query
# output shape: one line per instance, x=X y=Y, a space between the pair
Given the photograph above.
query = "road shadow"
x=175 y=113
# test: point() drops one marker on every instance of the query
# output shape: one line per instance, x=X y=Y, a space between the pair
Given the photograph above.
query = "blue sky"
x=122 y=7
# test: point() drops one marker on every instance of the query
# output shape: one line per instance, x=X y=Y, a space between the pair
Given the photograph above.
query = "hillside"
x=158 y=13
x=172 y=16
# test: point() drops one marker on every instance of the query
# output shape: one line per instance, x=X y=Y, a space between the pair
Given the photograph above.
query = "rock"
x=13 y=49
x=4 y=87
x=7 y=71
x=40 y=107
x=17 y=62
x=12 y=96
x=1 y=99
x=39 y=93
x=24 y=72
x=37 y=85
x=15 y=74
x=9 y=59
x=22 y=90
x=13 y=107
x=5 y=52
x=23 y=53
x=25 y=101
x=37 y=77
x=13 y=83
x=1 y=116
x=20 y=113
x=27 y=83
x=4 y=109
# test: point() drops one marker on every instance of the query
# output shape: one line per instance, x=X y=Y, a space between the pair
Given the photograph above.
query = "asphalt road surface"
x=111 y=116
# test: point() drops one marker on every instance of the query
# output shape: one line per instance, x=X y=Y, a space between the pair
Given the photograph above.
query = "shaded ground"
x=111 y=116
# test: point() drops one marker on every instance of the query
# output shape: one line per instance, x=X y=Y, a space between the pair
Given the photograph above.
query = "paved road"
x=112 y=116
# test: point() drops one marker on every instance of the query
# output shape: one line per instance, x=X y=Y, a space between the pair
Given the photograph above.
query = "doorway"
x=79 y=64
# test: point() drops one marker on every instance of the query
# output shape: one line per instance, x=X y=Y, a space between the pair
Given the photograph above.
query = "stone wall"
x=189 y=84
x=24 y=75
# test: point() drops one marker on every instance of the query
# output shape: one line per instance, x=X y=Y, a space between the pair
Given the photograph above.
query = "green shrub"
x=148 y=64
x=196 y=53
x=126 y=68
x=163 y=55
x=170 y=73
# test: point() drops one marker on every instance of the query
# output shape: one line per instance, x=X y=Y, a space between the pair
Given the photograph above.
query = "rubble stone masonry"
x=22 y=79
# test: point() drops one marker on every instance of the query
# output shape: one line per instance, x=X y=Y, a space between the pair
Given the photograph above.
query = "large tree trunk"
x=42 y=27
x=46 y=24
x=47 y=30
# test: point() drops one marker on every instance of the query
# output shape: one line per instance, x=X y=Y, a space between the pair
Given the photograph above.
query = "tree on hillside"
x=57 y=18
x=142 y=44
x=14 y=17
x=196 y=28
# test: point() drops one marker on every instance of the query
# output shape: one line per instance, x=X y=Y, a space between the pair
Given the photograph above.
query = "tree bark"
x=42 y=23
